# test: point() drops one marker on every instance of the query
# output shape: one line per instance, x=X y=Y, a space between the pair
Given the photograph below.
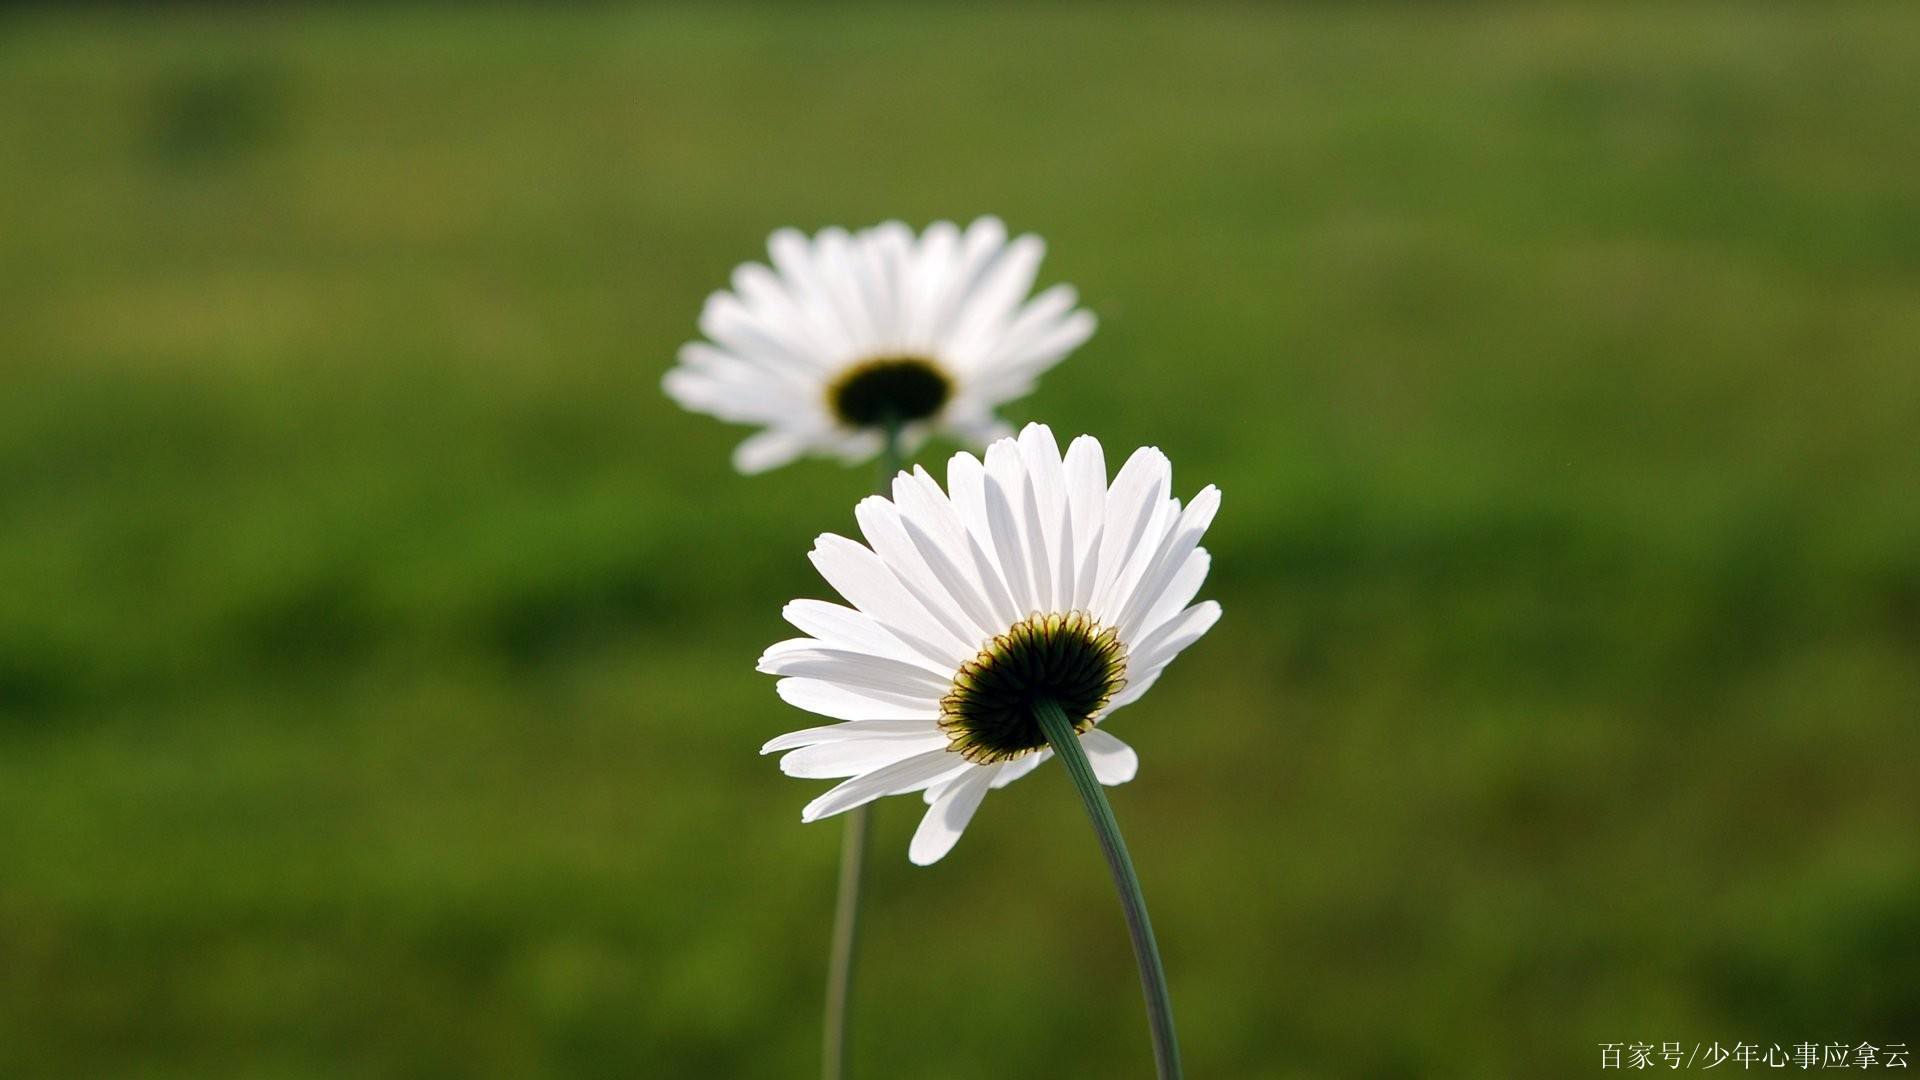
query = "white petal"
x=1180 y=631
x=880 y=523
x=806 y=658
x=1001 y=287
x=774 y=300
x=983 y=240
x=851 y=757
x=947 y=818
x=1178 y=593
x=834 y=258
x=1108 y=603
x=859 y=575
x=1029 y=355
x=716 y=383
x=889 y=248
x=930 y=271
x=974 y=424
x=967 y=484
x=793 y=256
x=1020 y=766
x=729 y=323
x=854 y=447
x=1066 y=574
x=768 y=449
x=844 y=628
x=1005 y=499
x=937 y=534
x=1086 y=482
x=843 y=703
x=911 y=774
x=1138 y=490
x=856 y=729
x=1180 y=541
x=1136 y=688
x=1046 y=514
x=1113 y=761
x=1037 y=318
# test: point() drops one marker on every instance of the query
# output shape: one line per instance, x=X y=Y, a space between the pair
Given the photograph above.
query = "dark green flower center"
x=889 y=390
x=1066 y=658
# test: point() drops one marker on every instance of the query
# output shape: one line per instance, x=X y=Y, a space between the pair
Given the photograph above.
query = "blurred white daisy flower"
x=848 y=334
x=1028 y=579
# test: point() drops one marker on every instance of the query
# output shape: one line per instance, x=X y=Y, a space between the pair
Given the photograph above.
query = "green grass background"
x=376 y=641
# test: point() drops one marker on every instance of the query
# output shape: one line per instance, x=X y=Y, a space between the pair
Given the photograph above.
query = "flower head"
x=1029 y=578
x=847 y=335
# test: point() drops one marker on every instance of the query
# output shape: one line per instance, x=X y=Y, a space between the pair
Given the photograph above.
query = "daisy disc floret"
x=1068 y=659
x=848 y=335
x=1028 y=580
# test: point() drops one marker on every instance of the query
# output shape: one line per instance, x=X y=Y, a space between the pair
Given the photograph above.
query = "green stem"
x=846 y=935
x=1153 y=977
x=890 y=459
x=853 y=858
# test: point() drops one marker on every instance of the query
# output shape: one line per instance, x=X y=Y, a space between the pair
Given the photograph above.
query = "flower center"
x=1066 y=658
x=889 y=390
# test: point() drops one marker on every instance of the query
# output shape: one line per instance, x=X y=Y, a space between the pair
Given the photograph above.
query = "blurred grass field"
x=376 y=641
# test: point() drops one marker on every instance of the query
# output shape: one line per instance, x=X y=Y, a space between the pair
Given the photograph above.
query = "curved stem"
x=1153 y=977
x=853 y=858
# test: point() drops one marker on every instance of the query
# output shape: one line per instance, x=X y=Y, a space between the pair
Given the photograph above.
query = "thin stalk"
x=846 y=938
x=853 y=858
x=1153 y=977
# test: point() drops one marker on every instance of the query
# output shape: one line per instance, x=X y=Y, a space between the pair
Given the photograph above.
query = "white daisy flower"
x=1029 y=577
x=848 y=334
